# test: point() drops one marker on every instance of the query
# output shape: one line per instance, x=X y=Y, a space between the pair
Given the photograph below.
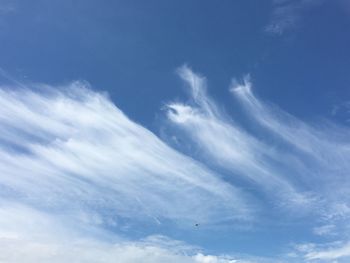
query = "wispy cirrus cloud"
x=306 y=161
x=322 y=149
x=229 y=145
x=75 y=148
x=327 y=252
x=324 y=230
x=287 y=14
x=76 y=174
x=7 y=7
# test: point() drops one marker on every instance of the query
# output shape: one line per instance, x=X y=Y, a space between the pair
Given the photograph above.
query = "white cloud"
x=286 y=14
x=294 y=131
x=322 y=150
x=231 y=147
x=74 y=168
x=283 y=152
x=324 y=230
x=328 y=252
x=14 y=251
x=76 y=149
x=28 y=235
x=7 y=7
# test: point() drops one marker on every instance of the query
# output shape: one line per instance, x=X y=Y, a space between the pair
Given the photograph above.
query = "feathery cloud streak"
x=74 y=168
x=286 y=14
x=322 y=149
x=229 y=145
x=291 y=161
x=75 y=147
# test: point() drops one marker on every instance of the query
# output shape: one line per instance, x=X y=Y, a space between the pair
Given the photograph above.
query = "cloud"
x=273 y=151
x=29 y=235
x=328 y=252
x=226 y=143
x=81 y=182
x=15 y=251
x=324 y=230
x=74 y=148
x=321 y=149
x=286 y=14
x=77 y=175
x=7 y=7
x=341 y=111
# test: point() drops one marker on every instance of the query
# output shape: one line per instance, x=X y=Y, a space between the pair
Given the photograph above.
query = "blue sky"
x=124 y=124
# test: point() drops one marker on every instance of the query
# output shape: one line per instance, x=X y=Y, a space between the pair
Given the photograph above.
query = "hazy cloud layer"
x=28 y=235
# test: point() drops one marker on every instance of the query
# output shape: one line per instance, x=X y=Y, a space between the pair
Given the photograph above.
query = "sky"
x=194 y=131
